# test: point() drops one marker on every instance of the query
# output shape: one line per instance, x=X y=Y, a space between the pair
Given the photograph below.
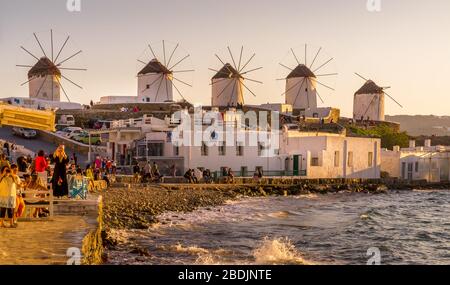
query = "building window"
x=336 y=159
x=148 y=86
x=244 y=171
x=155 y=149
x=350 y=159
x=417 y=166
x=315 y=161
x=260 y=149
x=176 y=150
x=204 y=149
x=222 y=149
x=239 y=150
x=370 y=159
x=404 y=170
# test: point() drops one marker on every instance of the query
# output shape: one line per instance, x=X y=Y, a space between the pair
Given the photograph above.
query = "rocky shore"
x=138 y=207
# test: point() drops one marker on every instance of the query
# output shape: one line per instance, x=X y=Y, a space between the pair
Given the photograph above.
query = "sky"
x=405 y=45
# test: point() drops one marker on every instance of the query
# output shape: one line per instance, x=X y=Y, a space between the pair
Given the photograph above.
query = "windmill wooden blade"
x=61 y=49
x=223 y=90
x=159 y=87
x=370 y=105
x=306 y=54
x=153 y=53
x=320 y=97
x=326 y=86
x=299 y=89
x=240 y=58
x=251 y=70
x=153 y=82
x=51 y=41
x=183 y=71
x=253 y=80
x=71 y=81
x=292 y=87
x=182 y=82
x=295 y=56
x=285 y=66
x=33 y=78
x=167 y=88
x=62 y=88
x=248 y=61
x=42 y=85
x=392 y=98
x=357 y=74
x=176 y=88
x=315 y=57
x=70 y=57
x=249 y=89
x=164 y=53
x=171 y=55
x=27 y=66
x=75 y=69
x=329 y=74
x=232 y=58
x=143 y=62
x=39 y=43
x=180 y=61
x=29 y=52
x=328 y=61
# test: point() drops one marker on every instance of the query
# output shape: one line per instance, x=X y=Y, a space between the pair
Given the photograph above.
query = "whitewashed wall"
x=376 y=110
x=45 y=93
x=230 y=95
x=305 y=100
x=155 y=82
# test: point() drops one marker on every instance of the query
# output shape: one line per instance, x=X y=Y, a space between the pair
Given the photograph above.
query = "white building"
x=44 y=78
x=368 y=102
x=288 y=152
x=430 y=163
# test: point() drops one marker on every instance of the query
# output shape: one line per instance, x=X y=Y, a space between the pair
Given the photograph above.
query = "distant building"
x=430 y=163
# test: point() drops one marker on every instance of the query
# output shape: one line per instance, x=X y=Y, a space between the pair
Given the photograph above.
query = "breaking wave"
x=277 y=252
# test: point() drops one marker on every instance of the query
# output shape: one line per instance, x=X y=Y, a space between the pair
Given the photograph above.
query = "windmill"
x=369 y=101
x=228 y=82
x=302 y=81
x=156 y=79
x=44 y=77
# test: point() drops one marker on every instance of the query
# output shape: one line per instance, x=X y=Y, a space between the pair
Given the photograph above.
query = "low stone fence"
x=71 y=144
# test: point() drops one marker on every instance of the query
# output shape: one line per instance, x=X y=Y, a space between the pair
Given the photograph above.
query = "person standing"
x=3 y=161
x=8 y=193
x=6 y=148
x=59 y=179
x=75 y=159
x=40 y=166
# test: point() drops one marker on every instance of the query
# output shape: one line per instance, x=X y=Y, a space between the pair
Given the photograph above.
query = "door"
x=296 y=165
x=410 y=171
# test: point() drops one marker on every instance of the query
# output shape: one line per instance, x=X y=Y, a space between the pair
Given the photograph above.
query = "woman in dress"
x=59 y=178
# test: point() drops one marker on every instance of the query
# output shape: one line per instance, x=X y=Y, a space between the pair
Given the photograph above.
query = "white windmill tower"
x=156 y=79
x=302 y=81
x=228 y=83
x=369 y=101
x=44 y=78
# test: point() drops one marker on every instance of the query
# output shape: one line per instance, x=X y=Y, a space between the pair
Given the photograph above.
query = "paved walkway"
x=42 y=242
x=47 y=242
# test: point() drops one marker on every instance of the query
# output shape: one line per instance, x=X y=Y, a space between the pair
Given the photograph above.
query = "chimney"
x=412 y=144
x=396 y=148
x=428 y=143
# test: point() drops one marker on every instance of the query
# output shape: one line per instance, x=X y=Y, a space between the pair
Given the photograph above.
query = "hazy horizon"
x=404 y=46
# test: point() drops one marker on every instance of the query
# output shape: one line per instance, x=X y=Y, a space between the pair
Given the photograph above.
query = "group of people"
x=195 y=176
x=149 y=173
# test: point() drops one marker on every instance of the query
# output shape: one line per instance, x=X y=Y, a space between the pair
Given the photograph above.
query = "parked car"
x=69 y=132
x=23 y=132
x=67 y=120
x=84 y=138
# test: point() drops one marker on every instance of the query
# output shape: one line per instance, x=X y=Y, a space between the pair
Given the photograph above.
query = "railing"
x=275 y=173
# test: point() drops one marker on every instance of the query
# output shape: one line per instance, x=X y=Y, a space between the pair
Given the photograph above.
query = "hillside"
x=427 y=125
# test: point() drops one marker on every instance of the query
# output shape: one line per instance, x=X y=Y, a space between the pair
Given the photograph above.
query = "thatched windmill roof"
x=44 y=67
x=154 y=66
x=301 y=71
x=227 y=71
x=370 y=88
